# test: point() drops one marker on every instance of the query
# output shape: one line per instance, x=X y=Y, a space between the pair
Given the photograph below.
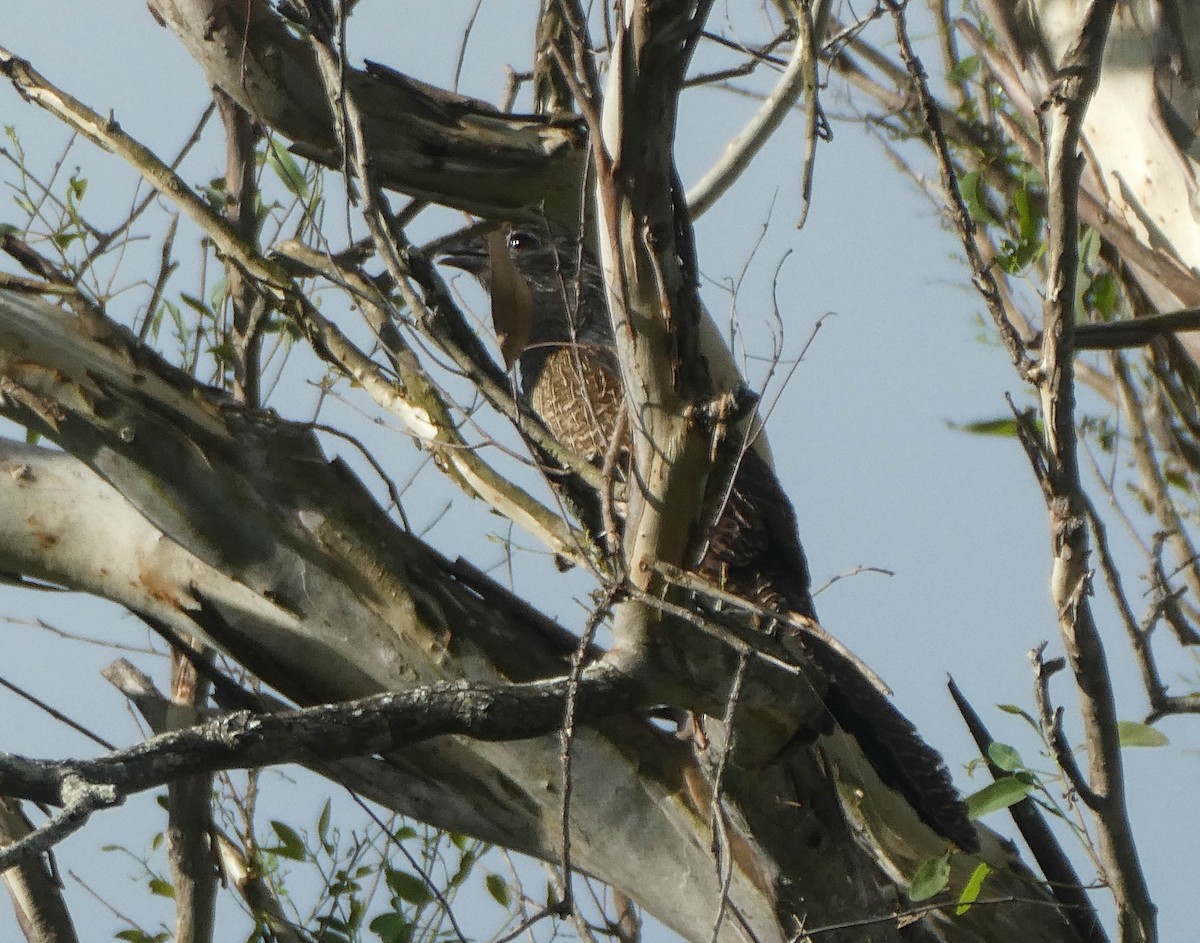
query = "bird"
x=570 y=377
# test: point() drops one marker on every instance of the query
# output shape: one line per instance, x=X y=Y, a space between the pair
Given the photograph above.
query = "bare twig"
x=34 y=887
x=567 y=736
x=721 y=842
x=55 y=713
x=1061 y=876
x=800 y=76
x=985 y=280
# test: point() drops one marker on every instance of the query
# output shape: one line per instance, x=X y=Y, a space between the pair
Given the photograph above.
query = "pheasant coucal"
x=570 y=378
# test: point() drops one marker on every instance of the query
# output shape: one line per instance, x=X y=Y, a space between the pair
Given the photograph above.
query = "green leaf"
x=197 y=305
x=970 y=186
x=223 y=353
x=288 y=171
x=323 y=826
x=391 y=928
x=970 y=892
x=963 y=70
x=931 y=878
x=1019 y=712
x=408 y=887
x=1105 y=295
x=998 y=795
x=291 y=845
x=1004 y=426
x=466 y=862
x=1028 y=222
x=162 y=888
x=498 y=888
x=1133 y=734
x=1004 y=756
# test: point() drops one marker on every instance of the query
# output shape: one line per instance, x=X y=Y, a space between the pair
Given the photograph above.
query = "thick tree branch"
x=425 y=413
x=426 y=142
x=1115 y=335
x=35 y=893
x=242 y=740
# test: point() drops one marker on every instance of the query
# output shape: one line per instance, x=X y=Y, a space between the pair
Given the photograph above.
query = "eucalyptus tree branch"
x=1051 y=721
x=985 y=280
x=1115 y=335
x=242 y=740
x=189 y=813
x=78 y=798
x=107 y=134
x=256 y=890
x=646 y=248
x=799 y=77
x=36 y=895
x=505 y=166
x=190 y=826
x=241 y=194
x=1104 y=791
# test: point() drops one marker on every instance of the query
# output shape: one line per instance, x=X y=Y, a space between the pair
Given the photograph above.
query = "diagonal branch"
x=429 y=143
x=242 y=740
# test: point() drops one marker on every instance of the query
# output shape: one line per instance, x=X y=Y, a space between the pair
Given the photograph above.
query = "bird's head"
x=564 y=281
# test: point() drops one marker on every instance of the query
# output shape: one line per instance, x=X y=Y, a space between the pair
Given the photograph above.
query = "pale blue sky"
x=860 y=433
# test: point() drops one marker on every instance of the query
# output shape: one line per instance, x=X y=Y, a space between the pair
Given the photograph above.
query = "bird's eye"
x=521 y=240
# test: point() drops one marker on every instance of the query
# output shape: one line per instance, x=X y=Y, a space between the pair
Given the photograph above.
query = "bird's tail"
x=891 y=744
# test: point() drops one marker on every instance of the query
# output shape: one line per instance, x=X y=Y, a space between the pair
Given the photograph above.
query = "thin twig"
x=56 y=714
x=567 y=734
x=81 y=799
x=985 y=280
x=1051 y=719
x=720 y=828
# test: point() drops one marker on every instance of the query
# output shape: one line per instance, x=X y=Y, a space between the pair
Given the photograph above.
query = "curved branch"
x=799 y=76
x=241 y=740
x=426 y=142
x=36 y=895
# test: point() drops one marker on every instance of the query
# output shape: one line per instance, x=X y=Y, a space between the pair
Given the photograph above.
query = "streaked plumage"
x=569 y=375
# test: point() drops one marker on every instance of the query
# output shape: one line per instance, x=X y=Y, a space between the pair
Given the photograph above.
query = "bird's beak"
x=468 y=255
